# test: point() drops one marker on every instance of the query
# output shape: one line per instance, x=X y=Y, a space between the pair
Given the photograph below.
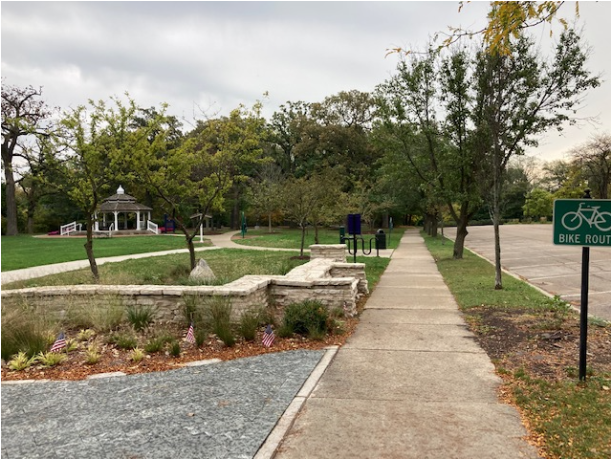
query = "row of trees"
x=437 y=138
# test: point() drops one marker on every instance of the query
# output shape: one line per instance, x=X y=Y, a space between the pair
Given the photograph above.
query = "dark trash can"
x=380 y=240
x=341 y=233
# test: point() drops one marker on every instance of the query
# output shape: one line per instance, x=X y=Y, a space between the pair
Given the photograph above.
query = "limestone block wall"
x=335 y=252
x=324 y=278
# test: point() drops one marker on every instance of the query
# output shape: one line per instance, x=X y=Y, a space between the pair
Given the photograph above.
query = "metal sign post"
x=586 y=223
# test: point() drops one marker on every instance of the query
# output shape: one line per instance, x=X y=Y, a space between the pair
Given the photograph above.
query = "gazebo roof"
x=122 y=202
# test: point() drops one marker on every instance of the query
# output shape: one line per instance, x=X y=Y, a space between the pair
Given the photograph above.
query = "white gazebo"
x=121 y=203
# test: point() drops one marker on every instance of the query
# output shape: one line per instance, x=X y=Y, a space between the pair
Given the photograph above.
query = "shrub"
x=308 y=317
x=140 y=317
x=20 y=361
x=336 y=327
x=50 y=358
x=284 y=332
x=248 y=325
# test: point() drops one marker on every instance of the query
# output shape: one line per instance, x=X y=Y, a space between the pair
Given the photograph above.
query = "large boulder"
x=202 y=272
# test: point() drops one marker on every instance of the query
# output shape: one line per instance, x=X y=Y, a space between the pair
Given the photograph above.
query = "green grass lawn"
x=289 y=238
x=573 y=419
x=227 y=264
x=25 y=251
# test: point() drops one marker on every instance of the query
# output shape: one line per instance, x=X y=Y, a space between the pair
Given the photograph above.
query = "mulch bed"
x=545 y=346
x=114 y=359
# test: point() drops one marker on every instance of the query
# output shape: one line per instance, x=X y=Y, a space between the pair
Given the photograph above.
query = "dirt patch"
x=546 y=345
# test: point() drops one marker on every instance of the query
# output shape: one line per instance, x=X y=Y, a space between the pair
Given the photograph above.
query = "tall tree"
x=426 y=113
x=593 y=162
x=522 y=97
x=191 y=180
x=41 y=178
x=23 y=114
x=98 y=143
x=266 y=190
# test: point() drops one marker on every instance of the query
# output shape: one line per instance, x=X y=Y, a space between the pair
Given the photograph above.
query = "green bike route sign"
x=582 y=222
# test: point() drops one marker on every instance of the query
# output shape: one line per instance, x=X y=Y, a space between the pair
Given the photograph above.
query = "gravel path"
x=222 y=410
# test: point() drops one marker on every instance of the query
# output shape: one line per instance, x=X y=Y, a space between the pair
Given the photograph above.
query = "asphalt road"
x=528 y=251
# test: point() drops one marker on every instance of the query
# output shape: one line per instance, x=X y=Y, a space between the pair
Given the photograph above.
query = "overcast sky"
x=217 y=55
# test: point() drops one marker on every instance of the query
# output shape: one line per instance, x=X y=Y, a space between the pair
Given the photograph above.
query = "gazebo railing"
x=152 y=227
x=68 y=228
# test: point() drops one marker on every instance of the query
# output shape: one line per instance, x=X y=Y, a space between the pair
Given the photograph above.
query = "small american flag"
x=59 y=343
x=269 y=336
x=190 y=334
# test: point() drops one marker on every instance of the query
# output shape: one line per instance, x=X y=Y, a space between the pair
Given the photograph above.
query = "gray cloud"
x=222 y=54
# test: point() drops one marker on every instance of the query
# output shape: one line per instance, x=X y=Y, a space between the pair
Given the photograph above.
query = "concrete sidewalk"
x=411 y=382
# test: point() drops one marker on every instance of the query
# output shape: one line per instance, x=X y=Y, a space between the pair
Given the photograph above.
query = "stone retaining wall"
x=335 y=284
x=329 y=251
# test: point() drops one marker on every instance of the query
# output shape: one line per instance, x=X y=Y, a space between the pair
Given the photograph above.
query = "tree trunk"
x=495 y=214
x=302 y=240
x=316 y=234
x=270 y=222
x=89 y=248
x=430 y=225
x=30 y=224
x=11 y=201
x=192 y=252
x=461 y=234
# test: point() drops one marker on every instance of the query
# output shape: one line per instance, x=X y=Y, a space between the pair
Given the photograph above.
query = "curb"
x=273 y=441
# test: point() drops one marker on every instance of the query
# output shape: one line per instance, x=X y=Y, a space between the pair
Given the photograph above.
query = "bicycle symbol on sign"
x=572 y=220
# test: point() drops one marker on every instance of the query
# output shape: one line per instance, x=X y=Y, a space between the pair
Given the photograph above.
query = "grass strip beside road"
x=566 y=418
x=24 y=251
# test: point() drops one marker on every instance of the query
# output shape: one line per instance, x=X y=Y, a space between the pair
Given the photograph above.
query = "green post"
x=243 y=224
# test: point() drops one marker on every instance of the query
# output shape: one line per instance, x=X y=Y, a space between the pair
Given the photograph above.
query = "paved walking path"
x=411 y=382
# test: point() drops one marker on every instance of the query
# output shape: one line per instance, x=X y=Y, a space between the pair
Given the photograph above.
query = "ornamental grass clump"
x=92 y=354
x=101 y=313
x=218 y=313
x=175 y=349
x=23 y=331
x=140 y=317
x=248 y=325
x=137 y=355
x=125 y=341
x=50 y=358
x=20 y=361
